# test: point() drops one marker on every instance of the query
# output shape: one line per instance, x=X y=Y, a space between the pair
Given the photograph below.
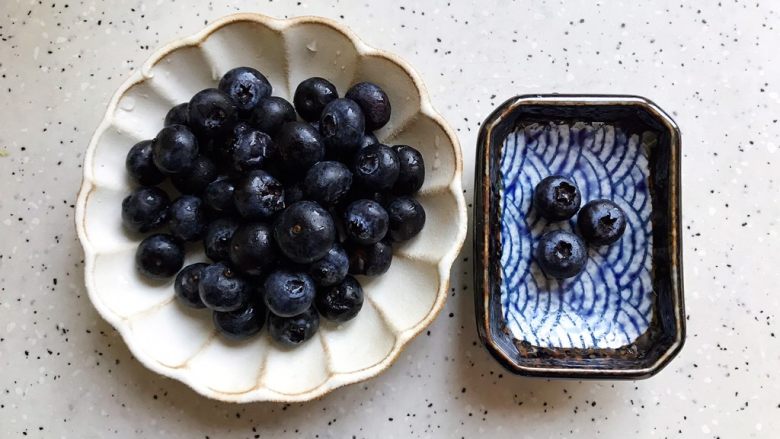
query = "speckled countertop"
x=64 y=372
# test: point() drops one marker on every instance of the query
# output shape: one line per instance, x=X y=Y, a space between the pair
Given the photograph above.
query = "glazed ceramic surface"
x=182 y=343
x=610 y=304
x=622 y=317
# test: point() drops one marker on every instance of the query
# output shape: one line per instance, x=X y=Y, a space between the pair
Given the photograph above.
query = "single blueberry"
x=145 y=209
x=251 y=149
x=258 y=195
x=195 y=179
x=288 y=293
x=601 y=222
x=377 y=167
x=407 y=218
x=271 y=113
x=174 y=149
x=373 y=101
x=342 y=127
x=222 y=289
x=370 y=260
x=561 y=254
x=327 y=182
x=216 y=241
x=312 y=95
x=247 y=87
x=140 y=164
x=411 y=174
x=159 y=256
x=187 y=218
x=366 y=221
x=341 y=302
x=292 y=331
x=241 y=323
x=300 y=146
x=305 y=232
x=218 y=195
x=178 y=115
x=212 y=112
x=186 y=285
x=557 y=198
x=368 y=139
x=252 y=249
x=331 y=268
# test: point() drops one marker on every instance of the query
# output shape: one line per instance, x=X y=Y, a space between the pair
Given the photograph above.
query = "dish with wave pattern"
x=622 y=316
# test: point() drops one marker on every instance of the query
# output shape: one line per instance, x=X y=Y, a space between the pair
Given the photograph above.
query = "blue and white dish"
x=623 y=315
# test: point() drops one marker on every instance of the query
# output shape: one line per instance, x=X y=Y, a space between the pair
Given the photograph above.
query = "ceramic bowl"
x=182 y=343
x=623 y=316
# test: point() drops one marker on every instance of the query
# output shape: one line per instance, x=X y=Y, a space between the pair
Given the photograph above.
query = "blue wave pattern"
x=610 y=304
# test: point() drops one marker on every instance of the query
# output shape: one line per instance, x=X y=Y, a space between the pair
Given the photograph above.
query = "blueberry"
x=159 y=256
x=366 y=221
x=140 y=164
x=601 y=222
x=195 y=179
x=212 y=112
x=250 y=149
x=411 y=173
x=342 y=302
x=373 y=101
x=222 y=288
x=407 y=218
x=312 y=95
x=216 y=241
x=218 y=195
x=293 y=193
x=557 y=198
x=252 y=249
x=174 y=149
x=327 y=182
x=288 y=293
x=377 y=167
x=561 y=254
x=305 y=232
x=258 y=195
x=178 y=115
x=331 y=268
x=186 y=285
x=241 y=323
x=247 y=87
x=187 y=218
x=292 y=331
x=300 y=146
x=271 y=113
x=145 y=209
x=370 y=260
x=342 y=127
x=368 y=139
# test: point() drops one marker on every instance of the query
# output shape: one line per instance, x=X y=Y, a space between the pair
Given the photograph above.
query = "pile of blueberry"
x=562 y=254
x=287 y=209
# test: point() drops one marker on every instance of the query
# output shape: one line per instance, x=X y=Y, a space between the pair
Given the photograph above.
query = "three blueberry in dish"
x=562 y=254
x=288 y=209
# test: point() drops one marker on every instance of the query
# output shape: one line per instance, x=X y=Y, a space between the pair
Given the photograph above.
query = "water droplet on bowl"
x=128 y=103
x=312 y=46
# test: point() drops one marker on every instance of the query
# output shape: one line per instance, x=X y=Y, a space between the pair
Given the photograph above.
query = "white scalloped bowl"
x=181 y=343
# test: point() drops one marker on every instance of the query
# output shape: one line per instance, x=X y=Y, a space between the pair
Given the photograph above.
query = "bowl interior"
x=182 y=343
x=620 y=315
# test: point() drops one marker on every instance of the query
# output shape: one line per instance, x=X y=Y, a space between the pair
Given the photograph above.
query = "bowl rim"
x=334 y=379
x=482 y=254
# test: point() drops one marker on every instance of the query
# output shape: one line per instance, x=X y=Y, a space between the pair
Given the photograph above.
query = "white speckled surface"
x=65 y=373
